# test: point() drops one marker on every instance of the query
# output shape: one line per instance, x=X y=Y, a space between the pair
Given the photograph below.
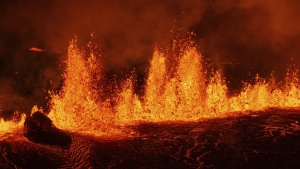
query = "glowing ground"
x=260 y=139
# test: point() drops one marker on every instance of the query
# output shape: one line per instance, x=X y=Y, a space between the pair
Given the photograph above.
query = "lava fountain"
x=190 y=94
x=185 y=119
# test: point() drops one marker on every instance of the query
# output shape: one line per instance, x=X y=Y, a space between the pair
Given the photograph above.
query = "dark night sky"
x=260 y=35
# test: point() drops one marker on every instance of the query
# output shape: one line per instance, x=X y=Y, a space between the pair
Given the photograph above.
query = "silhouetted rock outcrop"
x=40 y=129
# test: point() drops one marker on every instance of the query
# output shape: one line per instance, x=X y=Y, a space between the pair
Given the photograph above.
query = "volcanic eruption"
x=167 y=84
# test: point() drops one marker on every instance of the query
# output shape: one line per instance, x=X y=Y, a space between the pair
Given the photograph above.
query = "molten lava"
x=185 y=96
x=11 y=126
x=35 y=49
x=189 y=94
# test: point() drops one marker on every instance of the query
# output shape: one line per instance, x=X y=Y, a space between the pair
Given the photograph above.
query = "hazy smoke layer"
x=257 y=35
x=128 y=28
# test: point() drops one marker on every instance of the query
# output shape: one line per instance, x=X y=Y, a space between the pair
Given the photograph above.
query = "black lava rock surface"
x=257 y=139
x=40 y=129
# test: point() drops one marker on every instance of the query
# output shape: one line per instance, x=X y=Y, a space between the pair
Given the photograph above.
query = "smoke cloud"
x=256 y=36
x=245 y=38
x=128 y=28
x=261 y=35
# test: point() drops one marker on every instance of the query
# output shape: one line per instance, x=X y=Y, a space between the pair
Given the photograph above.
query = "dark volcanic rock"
x=246 y=140
x=40 y=129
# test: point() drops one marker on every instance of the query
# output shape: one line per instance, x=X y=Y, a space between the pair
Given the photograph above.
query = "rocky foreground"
x=40 y=129
x=264 y=139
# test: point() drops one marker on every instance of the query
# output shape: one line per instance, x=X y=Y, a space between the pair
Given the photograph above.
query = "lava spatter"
x=187 y=95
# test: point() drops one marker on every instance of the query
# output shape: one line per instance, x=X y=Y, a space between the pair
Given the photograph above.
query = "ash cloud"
x=257 y=36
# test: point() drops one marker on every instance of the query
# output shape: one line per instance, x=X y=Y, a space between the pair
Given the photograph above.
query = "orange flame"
x=12 y=126
x=186 y=96
x=76 y=107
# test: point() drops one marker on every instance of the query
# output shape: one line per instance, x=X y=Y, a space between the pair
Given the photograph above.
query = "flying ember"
x=190 y=94
x=185 y=115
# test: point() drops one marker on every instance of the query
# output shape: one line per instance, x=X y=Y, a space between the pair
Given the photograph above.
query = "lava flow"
x=189 y=94
x=12 y=126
